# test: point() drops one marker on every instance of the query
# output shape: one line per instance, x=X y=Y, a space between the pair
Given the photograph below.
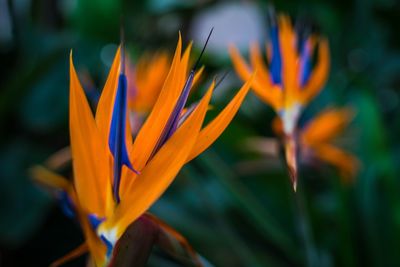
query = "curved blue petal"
x=95 y=221
x=305 y=62
x=117 y=142
x=108 y=245
x=276 y=59
x=173 y=120
x=66 y=204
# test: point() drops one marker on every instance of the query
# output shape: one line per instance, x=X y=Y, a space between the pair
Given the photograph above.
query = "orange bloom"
x=146 y=79
x=117 y=179
x=289 y=81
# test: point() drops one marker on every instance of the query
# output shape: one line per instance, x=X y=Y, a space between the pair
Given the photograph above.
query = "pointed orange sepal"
x=214 y=129
x=90 y=162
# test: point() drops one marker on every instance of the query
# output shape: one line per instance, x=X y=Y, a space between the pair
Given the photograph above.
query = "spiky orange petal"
x=90 y=166
x=319 y=74
x=326 y=126
x=215 y=128
x=151 y=130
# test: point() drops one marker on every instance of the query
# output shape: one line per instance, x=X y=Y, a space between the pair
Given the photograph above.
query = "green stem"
x=305 y=229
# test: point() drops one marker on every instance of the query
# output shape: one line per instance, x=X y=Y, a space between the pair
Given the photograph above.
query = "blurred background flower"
x=291 y=80
x=236 y=207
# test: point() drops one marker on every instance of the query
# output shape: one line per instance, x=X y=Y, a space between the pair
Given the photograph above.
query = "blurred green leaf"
x=22 y=204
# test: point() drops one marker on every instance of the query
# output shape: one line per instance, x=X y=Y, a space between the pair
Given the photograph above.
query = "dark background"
x=235 y=207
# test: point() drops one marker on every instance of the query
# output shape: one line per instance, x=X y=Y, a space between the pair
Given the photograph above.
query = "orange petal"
x=96 y=246
x=319 y=74
x=49 y=178
x=90 y=163
x=158 y=173
x=288 y=49
x=106 y=101
x=147 y=78
x=258 y=63
x=347 y=164
x=241 y=67
x=270 y=95
x=185 y=63
x=103 y=117
x=326 y=126
x=215 y=128
x=197 y=76
x=151 y=130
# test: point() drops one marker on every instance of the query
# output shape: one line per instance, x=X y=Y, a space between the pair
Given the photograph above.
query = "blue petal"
x=117 y=142
x=66 y=204
x=95 y=221
x=276 y=60
x=108 y=245
x=173 y=120
x=305 y=63
x=68 y=208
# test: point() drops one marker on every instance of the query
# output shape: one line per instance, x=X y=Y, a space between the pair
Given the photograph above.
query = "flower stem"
x=304 y=227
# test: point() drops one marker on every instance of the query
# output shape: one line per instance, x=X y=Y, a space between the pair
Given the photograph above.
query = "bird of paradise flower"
x=290 y=81
x=115 y=179
x=146 y=79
